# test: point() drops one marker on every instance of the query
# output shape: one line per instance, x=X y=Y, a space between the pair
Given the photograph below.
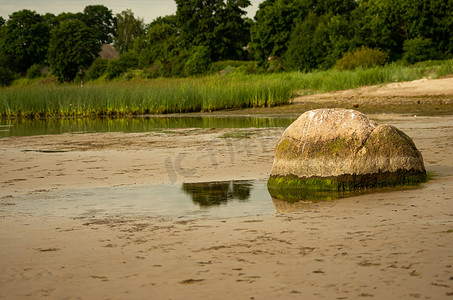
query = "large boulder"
x=340 y=149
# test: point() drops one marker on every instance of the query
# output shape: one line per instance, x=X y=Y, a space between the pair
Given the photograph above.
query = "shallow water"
x=135 y=124
x=187 y=201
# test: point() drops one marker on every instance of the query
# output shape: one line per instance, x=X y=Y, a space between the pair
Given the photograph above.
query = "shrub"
x=114 y=69
x=129 y=60
x=250 y=68
x=97 y=69
x=78 y=79
x=275 y=66
x=418 y=49
x=221 y=65
x=198 y=61
x=233 y=66
x=174 y=66
x=6 y=76
x=34 y=71
x=154 y=71
x=364 y=57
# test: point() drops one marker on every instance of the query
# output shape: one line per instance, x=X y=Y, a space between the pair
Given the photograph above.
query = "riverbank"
x=424 y=97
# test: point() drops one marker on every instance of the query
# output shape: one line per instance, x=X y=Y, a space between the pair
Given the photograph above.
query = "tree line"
x=299 y=35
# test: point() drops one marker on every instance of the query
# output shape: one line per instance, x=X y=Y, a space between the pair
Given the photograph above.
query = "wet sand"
x=394 y=245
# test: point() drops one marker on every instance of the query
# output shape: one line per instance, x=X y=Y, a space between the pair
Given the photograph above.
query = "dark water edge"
x=9 y=128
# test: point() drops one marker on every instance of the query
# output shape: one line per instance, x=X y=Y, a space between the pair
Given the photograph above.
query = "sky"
x=146 y=9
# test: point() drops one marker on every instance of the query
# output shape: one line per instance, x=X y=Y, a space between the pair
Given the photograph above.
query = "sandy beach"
x=393 y=244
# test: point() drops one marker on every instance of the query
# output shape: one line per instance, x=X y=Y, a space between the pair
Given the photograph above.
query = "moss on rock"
x=347 y=182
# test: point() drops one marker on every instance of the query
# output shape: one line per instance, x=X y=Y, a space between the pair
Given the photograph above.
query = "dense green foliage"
x=6 y=76
x=128 y=29
x=34 y=71
x=24 y=38
x=216 y=24
x=198 y=61
x=102 y=21
x=97 y=69
x=72 y=48
x=418 y=49
x=285 y=35
x=272 y=29
x=363 y=57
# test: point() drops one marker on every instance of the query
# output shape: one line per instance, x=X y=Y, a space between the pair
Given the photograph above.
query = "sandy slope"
x=417 y=88
x=394 y=245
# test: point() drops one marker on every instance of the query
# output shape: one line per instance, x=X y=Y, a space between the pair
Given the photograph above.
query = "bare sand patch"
x=417 y=88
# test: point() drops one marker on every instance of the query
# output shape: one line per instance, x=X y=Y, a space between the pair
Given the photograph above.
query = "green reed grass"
x=144 y=97
x=209 y=93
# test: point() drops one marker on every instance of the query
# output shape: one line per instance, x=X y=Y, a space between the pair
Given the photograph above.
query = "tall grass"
x=333 y=80
x=160 y=96
x=157 y=96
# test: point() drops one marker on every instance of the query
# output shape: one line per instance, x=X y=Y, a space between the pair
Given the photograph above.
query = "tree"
x=322 y=37
x=198 y=61
x=214 y=24
x=305 y=48
x=332 y=7
x=197 y=20
x=427 y=20
x=68 y=16
x=101 y=19
x=233 y=31
x=389 y=24
x=274 y=23
x=378 y=25
x=51 y=20
x=73 y=47
x=418 y=49
x=25 y=39
x=306 y=33
x=158 y=43
x=441 y=35
x=128 y=28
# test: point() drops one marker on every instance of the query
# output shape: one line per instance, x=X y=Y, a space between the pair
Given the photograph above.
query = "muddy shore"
x=393 y=244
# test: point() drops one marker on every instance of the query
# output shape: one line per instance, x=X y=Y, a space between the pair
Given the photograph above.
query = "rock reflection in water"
x=294 y=195
x=291 y=200
x=208 y=194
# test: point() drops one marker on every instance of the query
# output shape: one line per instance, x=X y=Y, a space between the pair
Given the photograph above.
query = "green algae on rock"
x=343 y=150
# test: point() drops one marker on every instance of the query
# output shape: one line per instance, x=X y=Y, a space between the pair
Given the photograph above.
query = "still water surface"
x=187 y=201
x=135 y=124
